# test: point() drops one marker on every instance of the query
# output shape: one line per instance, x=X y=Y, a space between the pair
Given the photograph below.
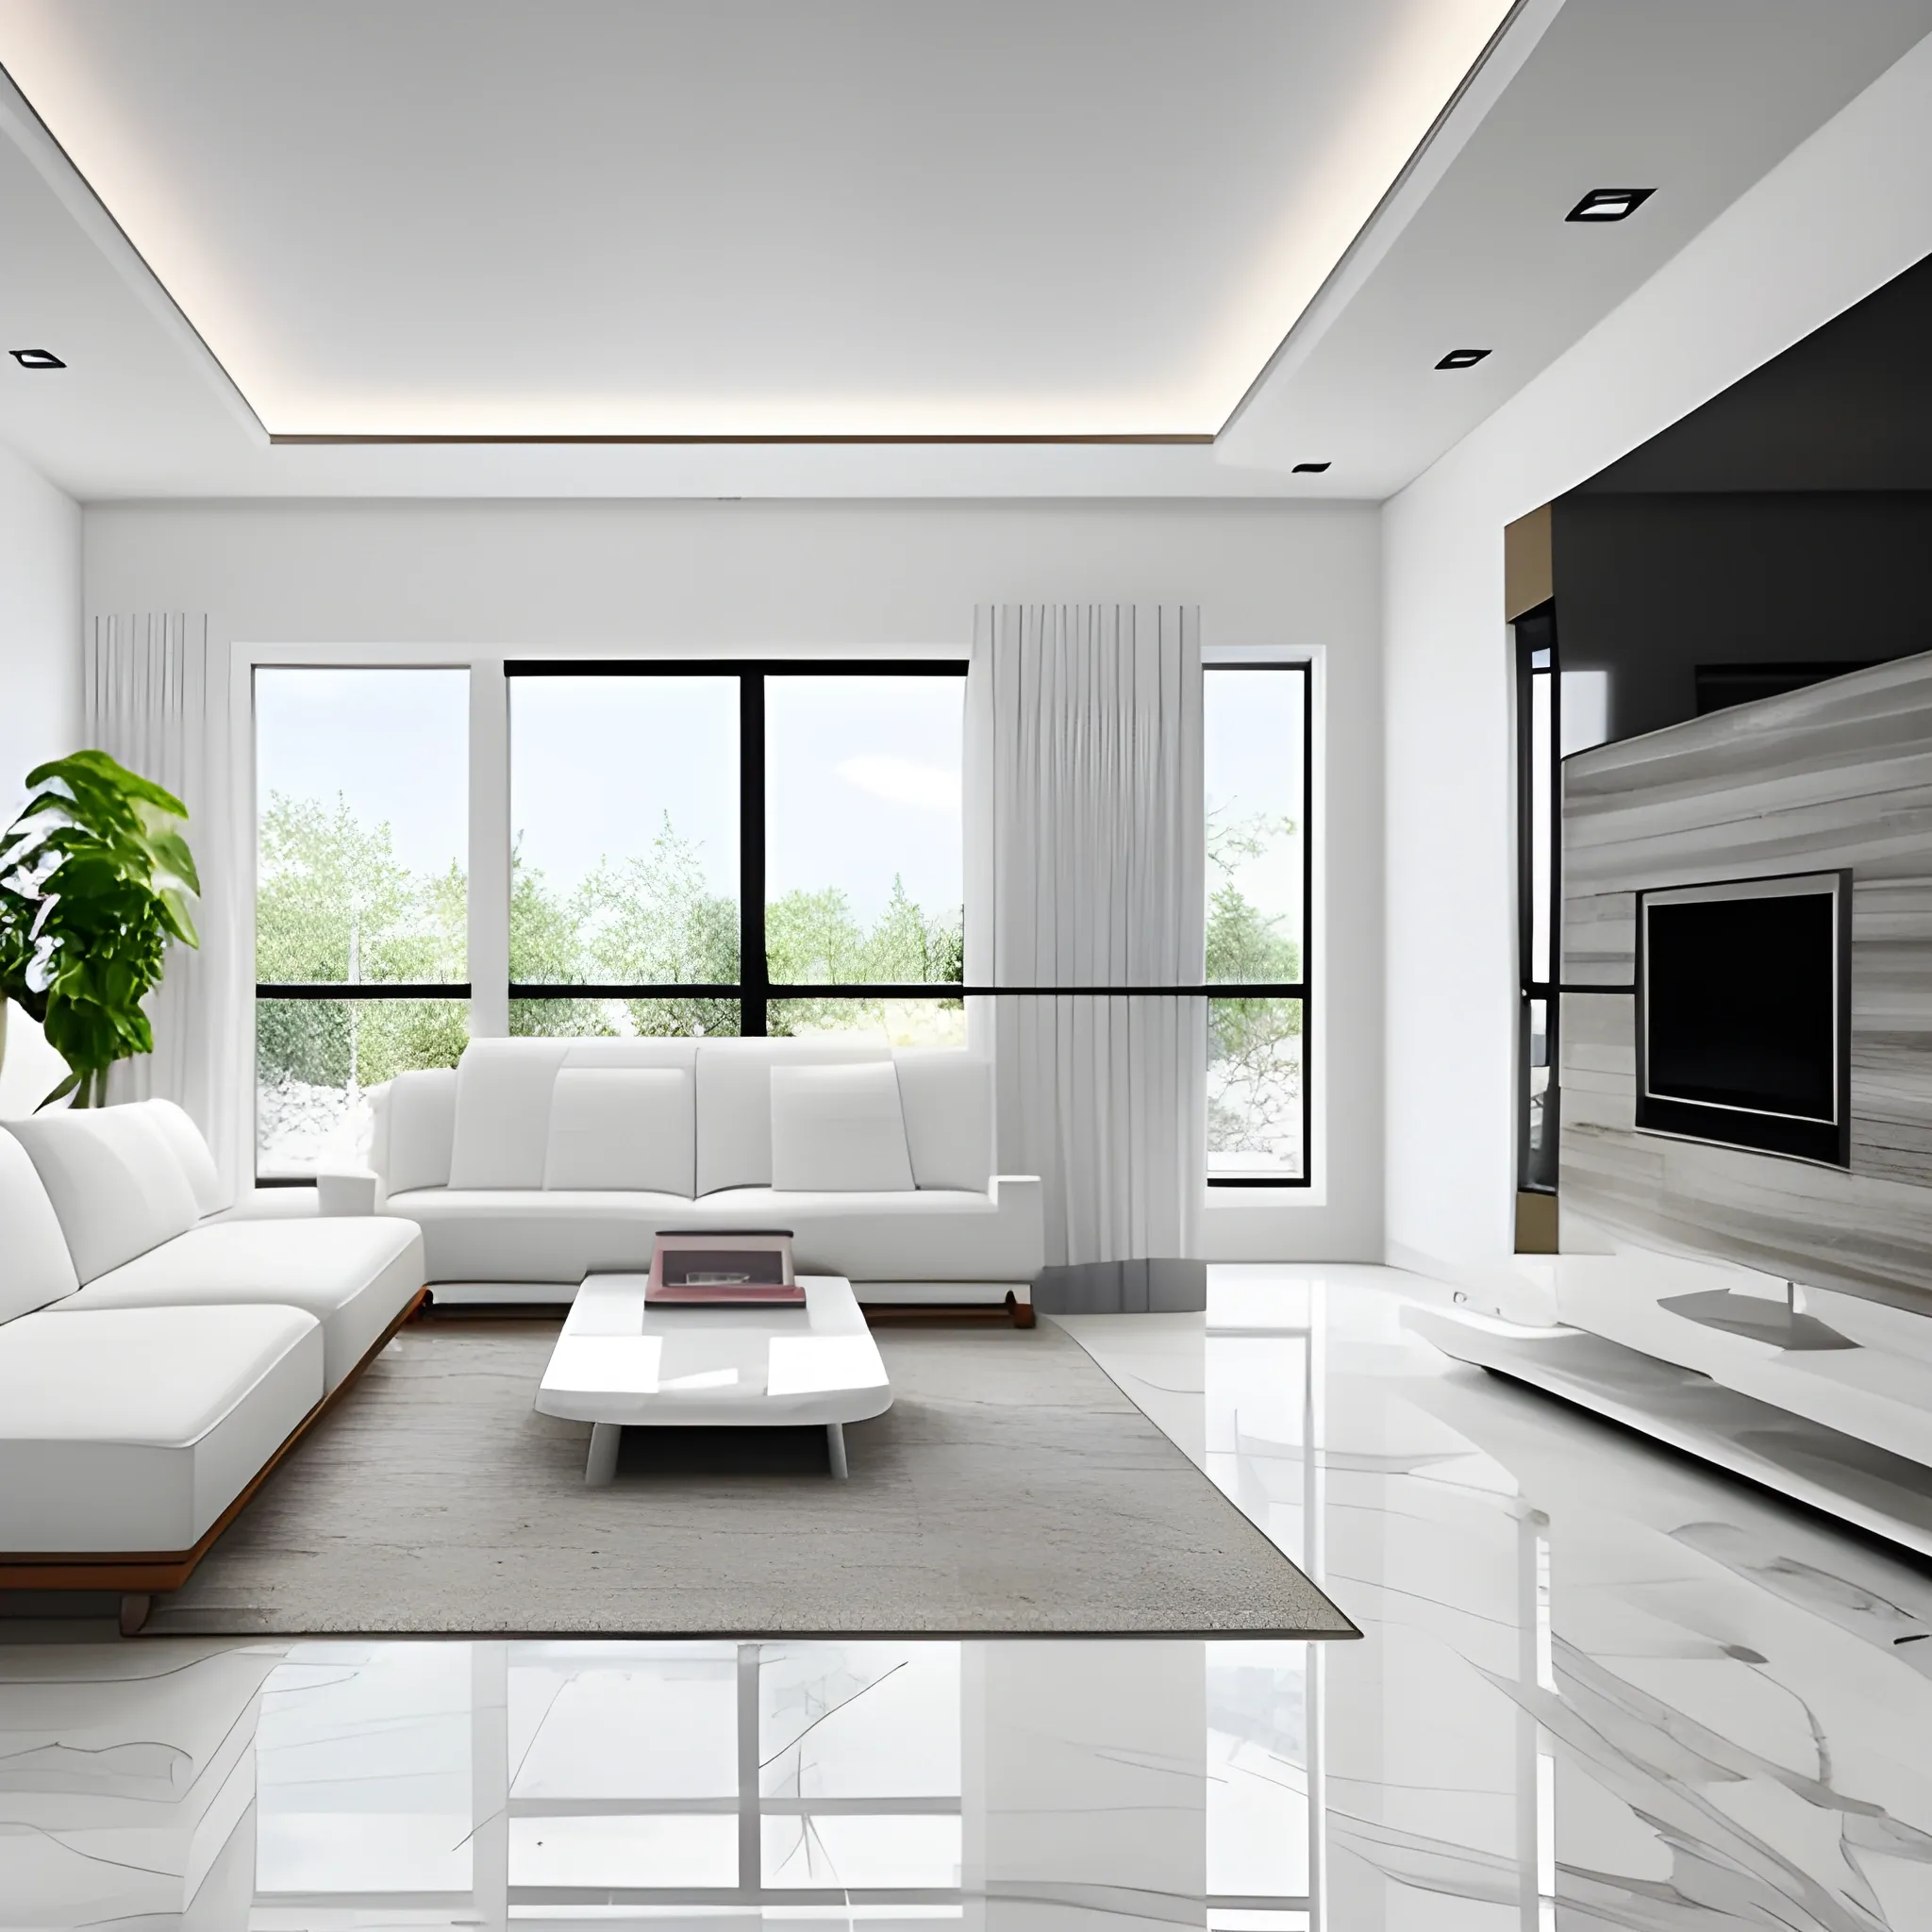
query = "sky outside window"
x=599 y=764
x=394 y=745
x=1253 y=738
x=862 y=785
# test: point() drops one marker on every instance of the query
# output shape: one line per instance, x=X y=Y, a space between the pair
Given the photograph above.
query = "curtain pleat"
x=153 y=701
x=1086 y=858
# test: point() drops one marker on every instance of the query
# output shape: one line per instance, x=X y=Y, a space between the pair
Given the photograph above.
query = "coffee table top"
x=621 y=1360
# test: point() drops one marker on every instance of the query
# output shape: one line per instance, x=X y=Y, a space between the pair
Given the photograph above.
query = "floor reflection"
x=1599 y=1687
x=307 y=1785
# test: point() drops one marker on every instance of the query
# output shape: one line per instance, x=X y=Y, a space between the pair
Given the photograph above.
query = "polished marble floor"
x=1597 y=1687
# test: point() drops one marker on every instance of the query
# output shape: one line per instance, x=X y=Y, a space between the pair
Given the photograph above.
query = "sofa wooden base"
x=1012 y=1309
x=140 y=1577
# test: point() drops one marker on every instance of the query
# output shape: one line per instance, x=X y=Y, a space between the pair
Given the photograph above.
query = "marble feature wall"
x=1836 y=775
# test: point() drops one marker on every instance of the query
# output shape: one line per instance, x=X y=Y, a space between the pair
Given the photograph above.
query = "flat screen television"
x=1744 y=1014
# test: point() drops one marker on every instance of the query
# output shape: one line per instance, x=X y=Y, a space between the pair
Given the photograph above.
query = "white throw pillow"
x=838 y=1130
x=35 y=1266
x=114 y=1182
x=185 y=1143
x=620 y=1127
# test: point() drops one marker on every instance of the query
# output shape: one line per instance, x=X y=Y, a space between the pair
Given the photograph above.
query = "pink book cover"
x=723 y=1267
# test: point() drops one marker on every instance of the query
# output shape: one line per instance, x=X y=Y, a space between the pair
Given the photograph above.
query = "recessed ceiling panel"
x=741 y=218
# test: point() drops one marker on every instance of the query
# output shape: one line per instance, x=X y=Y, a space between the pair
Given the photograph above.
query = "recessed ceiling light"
x=1610 y=204
x=36 y=358
x=1462 y=359
x=1310 y=469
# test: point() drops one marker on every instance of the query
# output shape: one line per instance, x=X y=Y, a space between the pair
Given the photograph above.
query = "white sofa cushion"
x=503 y=1112
x=947 y=1097
x=504 y=1087
x=620 y=1127
x=415 y=1124
x=734 y=1101
x=189 y=1150
x=838 y=1130
x=114 y=1182
x=132 y=1429
x=35 y=1266
x=536 y=1236
x=355 y=1276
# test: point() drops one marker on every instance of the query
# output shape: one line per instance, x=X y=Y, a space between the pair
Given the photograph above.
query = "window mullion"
x=752 y=970
x=489 y=882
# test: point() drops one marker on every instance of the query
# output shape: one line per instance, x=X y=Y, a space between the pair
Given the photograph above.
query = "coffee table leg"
x=601 y=1465
x=835 y=1445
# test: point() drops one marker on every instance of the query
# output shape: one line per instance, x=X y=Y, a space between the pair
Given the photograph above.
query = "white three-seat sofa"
x=536 y=1162
x=156 y=1356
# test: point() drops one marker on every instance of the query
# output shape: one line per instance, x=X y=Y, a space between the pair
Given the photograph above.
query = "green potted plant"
x=95 y=879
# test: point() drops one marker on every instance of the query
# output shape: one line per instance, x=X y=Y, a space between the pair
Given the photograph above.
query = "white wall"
x=1848 y=211
x=39 y=626
x=670 y=576
x=40 y=695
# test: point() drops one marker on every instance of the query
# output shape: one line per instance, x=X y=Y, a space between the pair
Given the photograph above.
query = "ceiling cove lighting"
x=36 y=358
x=1610 y=204
x=1310 y=469
x=1462 y=359
x=230 y=185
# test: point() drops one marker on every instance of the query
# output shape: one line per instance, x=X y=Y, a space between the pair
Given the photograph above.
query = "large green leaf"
x=96 y=771
x=95 y=882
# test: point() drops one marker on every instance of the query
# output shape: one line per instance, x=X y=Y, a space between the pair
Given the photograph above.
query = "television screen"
x=1743 y=1002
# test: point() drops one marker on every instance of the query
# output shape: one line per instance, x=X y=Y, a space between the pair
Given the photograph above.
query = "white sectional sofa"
x=536 y=1162
x=156 y=1357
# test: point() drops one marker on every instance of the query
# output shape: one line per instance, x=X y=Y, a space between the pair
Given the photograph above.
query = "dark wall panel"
x=1648 y=587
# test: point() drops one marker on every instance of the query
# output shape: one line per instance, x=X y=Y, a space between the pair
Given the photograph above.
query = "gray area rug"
x=1010 y=1488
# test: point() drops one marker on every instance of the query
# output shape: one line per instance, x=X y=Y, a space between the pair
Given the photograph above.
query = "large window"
x=705 y=847
x=750 y=848
x=1539 y=700
x=1557 y=712
x=1257 y=760
x=361 y=957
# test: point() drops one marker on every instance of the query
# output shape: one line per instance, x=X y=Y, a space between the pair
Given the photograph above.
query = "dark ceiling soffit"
x=1368 y=227
x=215 y=362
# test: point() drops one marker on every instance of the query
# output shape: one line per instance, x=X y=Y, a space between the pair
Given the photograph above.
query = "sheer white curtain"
x=1086 y=868
x=154 y=701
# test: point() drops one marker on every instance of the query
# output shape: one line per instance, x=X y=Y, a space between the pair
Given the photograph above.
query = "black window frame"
x=754 y=990
x=1535 y=633
x=1301 y=989
x=331 y=990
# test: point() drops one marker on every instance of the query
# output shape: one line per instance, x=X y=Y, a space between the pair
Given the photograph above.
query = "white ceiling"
x=765 y=218
x=1033 y=218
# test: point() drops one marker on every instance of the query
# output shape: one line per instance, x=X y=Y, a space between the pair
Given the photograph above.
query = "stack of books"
x=708 y=1268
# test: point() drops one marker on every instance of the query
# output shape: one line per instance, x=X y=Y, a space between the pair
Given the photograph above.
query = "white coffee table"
x=619 y=1362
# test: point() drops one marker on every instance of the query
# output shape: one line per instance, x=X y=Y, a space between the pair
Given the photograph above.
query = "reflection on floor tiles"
x=293 y=1785
x=1598 y=1687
